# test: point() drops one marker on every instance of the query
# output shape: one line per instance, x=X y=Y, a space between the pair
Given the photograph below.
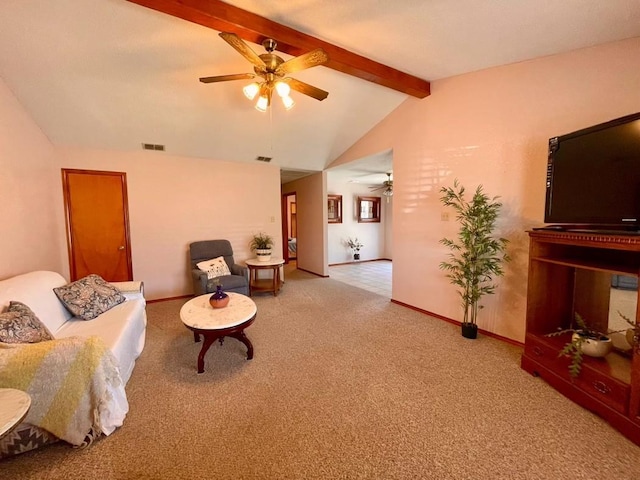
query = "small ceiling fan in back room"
x=386 y=187
x=271 y=72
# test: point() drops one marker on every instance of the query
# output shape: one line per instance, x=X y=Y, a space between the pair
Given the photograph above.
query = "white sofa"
x=122 y=328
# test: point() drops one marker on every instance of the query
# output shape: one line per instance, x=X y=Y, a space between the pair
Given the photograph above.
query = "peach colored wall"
x=312 y=227
x=177 y=200
x=371 y=235
x=491 y=127
x=30 y=237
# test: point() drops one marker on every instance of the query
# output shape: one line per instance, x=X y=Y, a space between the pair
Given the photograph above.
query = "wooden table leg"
x=208 y=340
x=210 y=336
x=275 y=279
x=243 y=338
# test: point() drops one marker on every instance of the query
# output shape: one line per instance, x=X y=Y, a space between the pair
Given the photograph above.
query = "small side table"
x=264 y=284
x=14 y=405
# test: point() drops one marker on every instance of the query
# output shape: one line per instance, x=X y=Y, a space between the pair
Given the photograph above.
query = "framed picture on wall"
x=334 y=204
x=368 y=209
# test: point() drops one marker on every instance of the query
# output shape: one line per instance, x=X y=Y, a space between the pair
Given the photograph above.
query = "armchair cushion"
x=229 y=283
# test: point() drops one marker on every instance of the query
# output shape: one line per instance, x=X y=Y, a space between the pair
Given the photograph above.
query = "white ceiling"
x=110 y=74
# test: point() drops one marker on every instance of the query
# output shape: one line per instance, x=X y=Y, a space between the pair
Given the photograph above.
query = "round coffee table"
x=14 y=405
x=216 y=323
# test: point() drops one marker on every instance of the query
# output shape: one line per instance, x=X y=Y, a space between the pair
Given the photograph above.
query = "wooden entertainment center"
x=571 y=272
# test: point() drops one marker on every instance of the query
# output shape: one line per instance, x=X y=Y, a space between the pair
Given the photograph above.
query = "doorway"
x=97 y=219
x=289 y=227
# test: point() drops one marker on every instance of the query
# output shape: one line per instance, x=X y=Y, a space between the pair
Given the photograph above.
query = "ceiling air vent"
x=152 y=146
x=264 y=159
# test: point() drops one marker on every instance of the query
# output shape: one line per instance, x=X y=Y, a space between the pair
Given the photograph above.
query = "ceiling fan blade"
x=243 y=49
x=225 y=78
x=302 y=62
x=307 y=89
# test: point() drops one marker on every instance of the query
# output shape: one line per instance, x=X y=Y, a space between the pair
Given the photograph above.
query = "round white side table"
x=14 y=405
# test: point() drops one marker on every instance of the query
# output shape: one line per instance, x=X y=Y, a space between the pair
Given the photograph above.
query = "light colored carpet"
x=343 y=385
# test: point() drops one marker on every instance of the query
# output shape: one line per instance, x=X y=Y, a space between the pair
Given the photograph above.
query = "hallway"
x=373 y=276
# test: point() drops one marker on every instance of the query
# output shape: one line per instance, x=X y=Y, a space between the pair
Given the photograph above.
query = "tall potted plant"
x=476 y=255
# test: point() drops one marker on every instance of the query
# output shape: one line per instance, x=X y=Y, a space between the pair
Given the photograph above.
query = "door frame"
x=67 y=215
x=285 y=225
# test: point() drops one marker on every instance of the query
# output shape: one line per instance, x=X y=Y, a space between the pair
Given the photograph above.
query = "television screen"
x=593 y=175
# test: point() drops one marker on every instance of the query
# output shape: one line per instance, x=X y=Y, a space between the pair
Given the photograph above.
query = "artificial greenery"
x=476 y=255
x=354 y=244
x=635 y=330
x=573 y=348
x=261 y=241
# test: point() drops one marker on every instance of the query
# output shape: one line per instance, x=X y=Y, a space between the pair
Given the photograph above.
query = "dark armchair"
x=207 y=249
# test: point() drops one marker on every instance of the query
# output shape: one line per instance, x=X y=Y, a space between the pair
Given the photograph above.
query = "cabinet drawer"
x=547 y=355
x=608 y=390
x=599 y=385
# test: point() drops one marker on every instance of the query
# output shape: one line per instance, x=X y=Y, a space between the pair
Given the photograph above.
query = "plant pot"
x=263 y=254
x=594 y=347
x=219 y=299
x=356 y=256
x=469 y=330
x=630 y=336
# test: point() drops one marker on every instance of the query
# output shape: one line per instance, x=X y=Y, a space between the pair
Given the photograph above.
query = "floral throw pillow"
x=216 y=267
x=20 y=325
x=89 y=297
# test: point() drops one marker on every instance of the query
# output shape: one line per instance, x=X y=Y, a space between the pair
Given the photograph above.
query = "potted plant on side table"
x=261 y=244
x=476 y=256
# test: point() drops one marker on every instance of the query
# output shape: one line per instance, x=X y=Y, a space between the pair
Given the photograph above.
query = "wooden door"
x=97 y=224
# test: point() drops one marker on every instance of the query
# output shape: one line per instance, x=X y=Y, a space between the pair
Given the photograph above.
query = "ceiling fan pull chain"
x=271 y=131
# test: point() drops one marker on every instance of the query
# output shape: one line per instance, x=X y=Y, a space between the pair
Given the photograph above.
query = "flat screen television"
x=593 y=177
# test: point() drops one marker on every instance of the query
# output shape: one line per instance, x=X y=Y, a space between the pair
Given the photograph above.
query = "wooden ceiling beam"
x=223 y=17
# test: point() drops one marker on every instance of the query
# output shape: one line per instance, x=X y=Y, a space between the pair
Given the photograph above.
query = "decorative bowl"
x=595 y=348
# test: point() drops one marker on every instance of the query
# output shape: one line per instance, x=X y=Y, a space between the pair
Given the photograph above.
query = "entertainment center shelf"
x=569 y=273
x=591 y=265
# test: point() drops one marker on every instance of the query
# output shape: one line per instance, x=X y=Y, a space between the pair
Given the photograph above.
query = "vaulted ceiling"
x=112 y=74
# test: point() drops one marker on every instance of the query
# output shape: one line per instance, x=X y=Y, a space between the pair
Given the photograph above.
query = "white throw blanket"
x=70 y=381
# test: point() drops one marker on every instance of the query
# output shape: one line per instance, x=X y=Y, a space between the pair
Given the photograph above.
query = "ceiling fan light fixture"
x=271 y=70
x=251 y=90
x=262 y=103
x=283 y=89
x=288 y=102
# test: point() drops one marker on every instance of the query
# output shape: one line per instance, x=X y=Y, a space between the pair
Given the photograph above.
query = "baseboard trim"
x=313 y=273
x=169 y=298
x=361 y=261
x=455 y=322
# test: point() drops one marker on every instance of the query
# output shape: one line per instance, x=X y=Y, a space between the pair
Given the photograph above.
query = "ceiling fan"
x=271 y=71
x=386 y=187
